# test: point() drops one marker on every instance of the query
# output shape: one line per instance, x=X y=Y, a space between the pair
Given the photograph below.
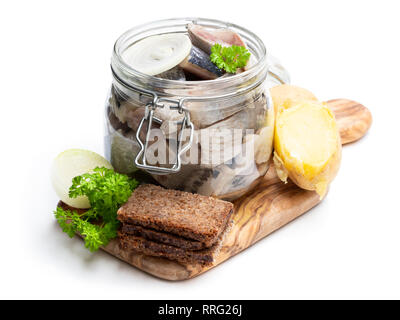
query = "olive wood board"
x=268 y=207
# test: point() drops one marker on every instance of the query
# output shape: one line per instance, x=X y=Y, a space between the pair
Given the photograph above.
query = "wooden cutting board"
x=271 y=205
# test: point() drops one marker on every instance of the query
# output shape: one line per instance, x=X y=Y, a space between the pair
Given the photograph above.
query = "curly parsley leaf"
x=106 y=191
x=229 y=58
x=64 y=219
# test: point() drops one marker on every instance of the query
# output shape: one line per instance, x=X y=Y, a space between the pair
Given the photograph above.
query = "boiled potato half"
x=307 y=145
x=287 y=94
x=72 y=163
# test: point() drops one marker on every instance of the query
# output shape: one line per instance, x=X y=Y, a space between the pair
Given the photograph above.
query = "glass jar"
x=212 y=137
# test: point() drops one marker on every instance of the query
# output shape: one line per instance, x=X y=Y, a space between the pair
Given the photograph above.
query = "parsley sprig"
x=229 y=58
x=106 y=191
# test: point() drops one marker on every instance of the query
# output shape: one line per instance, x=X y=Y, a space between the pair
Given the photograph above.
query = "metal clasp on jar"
x=185 y=123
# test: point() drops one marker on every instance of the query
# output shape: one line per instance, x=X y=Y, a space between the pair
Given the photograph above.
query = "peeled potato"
x=307 y=146
x=288 y=94
x=72 y=163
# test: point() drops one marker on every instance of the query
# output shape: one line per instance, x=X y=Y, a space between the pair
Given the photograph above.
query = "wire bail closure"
x=185 y=123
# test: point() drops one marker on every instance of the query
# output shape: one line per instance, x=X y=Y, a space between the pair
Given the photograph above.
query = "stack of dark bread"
x=172 y=224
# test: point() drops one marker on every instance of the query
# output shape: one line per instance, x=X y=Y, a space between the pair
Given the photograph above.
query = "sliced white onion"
x=157 y=54
x=72 y=163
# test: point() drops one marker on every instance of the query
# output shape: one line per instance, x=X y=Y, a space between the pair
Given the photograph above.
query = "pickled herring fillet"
x=198 y=62
x=204 y=38
x=175 y=73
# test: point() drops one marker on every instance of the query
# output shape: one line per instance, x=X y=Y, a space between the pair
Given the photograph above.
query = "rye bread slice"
x=161 y=237
x=155 y=249
x=151 y=248
x=183 y=214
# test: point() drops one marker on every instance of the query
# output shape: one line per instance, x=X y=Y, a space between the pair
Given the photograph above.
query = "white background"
x=54 y=77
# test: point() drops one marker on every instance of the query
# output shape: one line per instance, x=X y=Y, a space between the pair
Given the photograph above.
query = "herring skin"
x=198 y=62
x=175 y=73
